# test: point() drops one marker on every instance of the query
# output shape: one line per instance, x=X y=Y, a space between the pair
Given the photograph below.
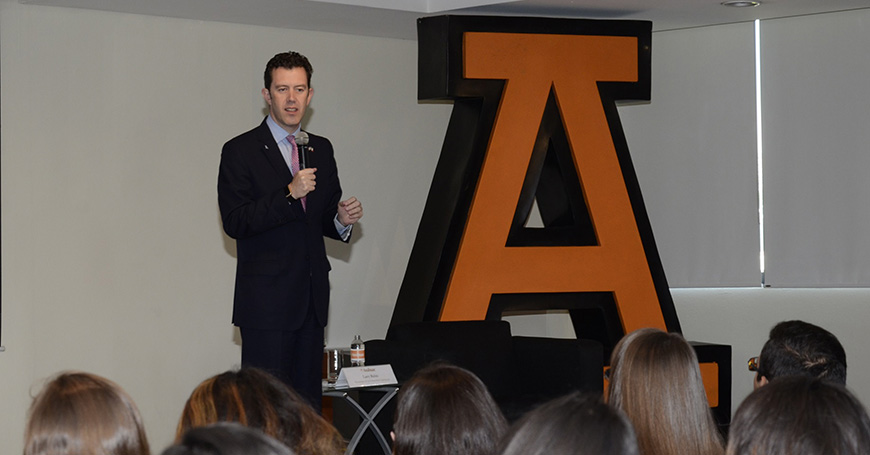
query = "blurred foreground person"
x=227 y=438
x=444 y=409
x=799 y=415
x=84 y=414
x=575 y=424
x=257 y=399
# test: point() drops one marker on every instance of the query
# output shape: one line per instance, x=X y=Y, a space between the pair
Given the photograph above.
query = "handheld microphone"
x=301 y=140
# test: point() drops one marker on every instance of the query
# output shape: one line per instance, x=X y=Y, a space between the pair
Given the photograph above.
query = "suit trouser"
x=295 y=357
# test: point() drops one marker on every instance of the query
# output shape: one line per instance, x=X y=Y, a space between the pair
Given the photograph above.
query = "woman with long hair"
x=445 y=409
x=574 y=424
x=82 y=413
x=255 y=398
x=656 y=381
x=800 y=415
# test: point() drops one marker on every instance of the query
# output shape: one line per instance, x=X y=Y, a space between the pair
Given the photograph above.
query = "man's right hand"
x=303 y=183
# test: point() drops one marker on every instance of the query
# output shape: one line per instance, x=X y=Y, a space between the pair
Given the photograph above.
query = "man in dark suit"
x=278 y=215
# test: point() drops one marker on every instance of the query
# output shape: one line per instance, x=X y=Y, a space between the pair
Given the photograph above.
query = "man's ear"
x=267 y=96
x=760 y=381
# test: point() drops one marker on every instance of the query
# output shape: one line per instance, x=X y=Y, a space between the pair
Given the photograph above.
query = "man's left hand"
x=349 y=211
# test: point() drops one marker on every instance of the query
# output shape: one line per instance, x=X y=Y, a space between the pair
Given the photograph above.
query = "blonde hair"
x=82 y=413
x=656 y=382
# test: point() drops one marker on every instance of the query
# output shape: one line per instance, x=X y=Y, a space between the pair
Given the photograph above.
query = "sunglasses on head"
x=752 y=364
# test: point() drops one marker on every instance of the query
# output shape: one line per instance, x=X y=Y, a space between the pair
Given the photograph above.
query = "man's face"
x=288 y=97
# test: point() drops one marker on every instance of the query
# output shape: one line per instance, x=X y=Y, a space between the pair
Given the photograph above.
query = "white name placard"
x=367 y=376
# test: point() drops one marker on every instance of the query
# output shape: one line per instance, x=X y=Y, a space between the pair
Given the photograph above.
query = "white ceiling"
x=397 y=18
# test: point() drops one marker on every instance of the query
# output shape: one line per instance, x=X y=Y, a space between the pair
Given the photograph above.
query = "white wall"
x=742 y=318
x=113 y=258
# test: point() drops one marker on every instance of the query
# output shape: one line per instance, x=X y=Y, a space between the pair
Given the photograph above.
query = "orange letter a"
x=506 y=86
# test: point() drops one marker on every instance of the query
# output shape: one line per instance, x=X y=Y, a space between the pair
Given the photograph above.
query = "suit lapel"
x=313 y=157
x=270 y=150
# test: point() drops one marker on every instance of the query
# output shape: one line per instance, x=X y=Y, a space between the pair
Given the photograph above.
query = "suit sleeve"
x=331 y=209
x=246 y=208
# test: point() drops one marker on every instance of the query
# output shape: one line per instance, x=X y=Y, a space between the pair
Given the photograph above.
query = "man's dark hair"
x=798 y=348
x=288 y=60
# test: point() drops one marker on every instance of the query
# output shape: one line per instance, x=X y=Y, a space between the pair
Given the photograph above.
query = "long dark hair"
x=575 y=424
x=799 y=415
x=445 y=409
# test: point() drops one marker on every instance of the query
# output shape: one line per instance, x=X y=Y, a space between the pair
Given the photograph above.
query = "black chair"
x=520 y=372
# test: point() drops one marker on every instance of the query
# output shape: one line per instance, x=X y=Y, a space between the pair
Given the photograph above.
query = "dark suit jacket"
x=281 y=254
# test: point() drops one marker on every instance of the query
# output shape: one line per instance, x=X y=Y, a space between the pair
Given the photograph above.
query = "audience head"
x=656 y=381
x=446 y=409
x=255 y=398
x=82 y=413
x=800 y=348
x=799 y=415
x=575 y=424
x=227 y=438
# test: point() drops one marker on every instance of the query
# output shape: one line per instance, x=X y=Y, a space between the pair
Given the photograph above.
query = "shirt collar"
x=277 y=132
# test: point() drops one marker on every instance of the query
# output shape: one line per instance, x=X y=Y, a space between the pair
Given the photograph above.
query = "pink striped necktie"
x=294 y=162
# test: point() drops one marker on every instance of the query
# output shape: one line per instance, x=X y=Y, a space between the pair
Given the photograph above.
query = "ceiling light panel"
x=417 y=6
